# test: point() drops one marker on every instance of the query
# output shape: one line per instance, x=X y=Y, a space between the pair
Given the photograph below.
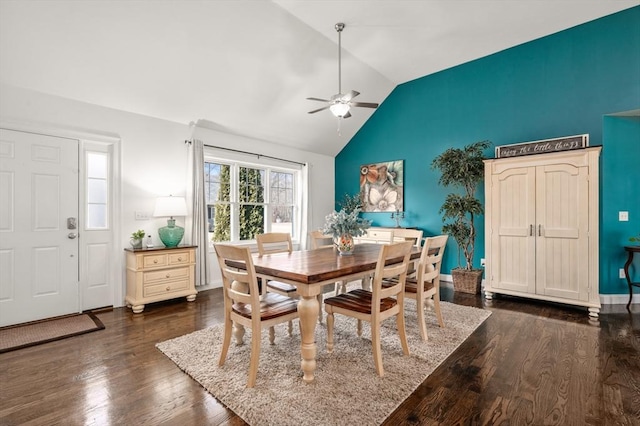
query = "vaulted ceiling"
x=247 y=66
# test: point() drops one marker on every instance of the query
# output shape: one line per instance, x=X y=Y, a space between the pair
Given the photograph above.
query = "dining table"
x=309 y=271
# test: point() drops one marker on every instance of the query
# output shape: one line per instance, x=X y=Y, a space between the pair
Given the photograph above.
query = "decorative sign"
x=543 y=146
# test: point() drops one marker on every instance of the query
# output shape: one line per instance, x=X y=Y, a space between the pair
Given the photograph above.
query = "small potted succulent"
x=343 y=226
x=136 y=239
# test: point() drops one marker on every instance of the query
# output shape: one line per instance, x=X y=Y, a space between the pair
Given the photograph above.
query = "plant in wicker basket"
x=464 y=169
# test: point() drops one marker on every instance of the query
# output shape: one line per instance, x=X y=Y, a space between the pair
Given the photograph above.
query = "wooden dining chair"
x=413 y=235
x=276 y=242
x=425 y=285
x=377 y=305
x=246 y=307
x=405 y=234
x=373 y=236
x=280 y=242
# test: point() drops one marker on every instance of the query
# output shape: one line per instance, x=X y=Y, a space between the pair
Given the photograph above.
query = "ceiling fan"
x=340 y=104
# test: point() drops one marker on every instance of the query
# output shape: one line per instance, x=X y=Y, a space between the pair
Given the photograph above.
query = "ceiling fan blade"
x=319 y=109
x=364 y=104
x=352 y=94
x=317 y=99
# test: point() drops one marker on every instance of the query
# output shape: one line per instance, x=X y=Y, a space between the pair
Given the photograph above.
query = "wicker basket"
x=467 y=281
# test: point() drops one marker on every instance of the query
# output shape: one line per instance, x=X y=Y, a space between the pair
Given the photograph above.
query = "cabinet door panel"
x=562 y=239
x=513 y=210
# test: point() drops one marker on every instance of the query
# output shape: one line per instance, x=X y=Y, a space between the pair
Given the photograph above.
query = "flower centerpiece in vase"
x=343 y=226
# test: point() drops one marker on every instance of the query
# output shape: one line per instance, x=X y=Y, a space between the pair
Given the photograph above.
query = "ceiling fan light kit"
x=340 y=104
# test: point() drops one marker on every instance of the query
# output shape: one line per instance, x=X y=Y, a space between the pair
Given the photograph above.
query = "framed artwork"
x=382 y=186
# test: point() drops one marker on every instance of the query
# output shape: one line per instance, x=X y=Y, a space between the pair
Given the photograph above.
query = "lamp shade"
x=172 y=234
x=170 y=206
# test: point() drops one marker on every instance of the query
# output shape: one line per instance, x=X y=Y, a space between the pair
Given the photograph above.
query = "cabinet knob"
x=155 y=260
x=168 y=288
x=179 y=259
x=168 y=276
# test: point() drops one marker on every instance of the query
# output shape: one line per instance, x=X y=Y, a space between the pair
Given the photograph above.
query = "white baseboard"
x=618 y=299
x=209 y=286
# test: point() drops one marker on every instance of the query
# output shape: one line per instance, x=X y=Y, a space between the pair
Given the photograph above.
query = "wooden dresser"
x=155 y=274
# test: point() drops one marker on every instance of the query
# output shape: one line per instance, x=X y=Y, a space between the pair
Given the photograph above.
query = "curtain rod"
x=250 y=153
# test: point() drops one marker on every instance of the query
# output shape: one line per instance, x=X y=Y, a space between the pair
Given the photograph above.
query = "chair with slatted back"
x=425 y=285
x=377 y=305
x=280 y=242
x=413 y=235
x=246 y=307
x=373 y=236
x=276 y=242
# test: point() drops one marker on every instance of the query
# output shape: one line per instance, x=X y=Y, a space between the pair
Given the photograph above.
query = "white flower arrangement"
x=339 y=223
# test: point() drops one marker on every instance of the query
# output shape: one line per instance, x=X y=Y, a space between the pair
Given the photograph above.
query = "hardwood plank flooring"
x=530 y=363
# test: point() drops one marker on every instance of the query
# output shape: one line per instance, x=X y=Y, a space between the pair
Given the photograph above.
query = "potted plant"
x=463 y=169
x=343 y=226
x=635 y=239
x=136 y=239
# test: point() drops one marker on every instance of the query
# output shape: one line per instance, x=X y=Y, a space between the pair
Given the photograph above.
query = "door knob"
x=72 y=235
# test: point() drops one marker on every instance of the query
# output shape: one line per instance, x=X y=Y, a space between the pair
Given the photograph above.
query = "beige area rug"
x=38 y=332
x=347 y=390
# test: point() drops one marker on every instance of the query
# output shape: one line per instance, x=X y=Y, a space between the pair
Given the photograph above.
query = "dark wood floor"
x=530 y=363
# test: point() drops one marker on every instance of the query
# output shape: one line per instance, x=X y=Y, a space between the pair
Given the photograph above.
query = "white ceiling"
x=247 y=66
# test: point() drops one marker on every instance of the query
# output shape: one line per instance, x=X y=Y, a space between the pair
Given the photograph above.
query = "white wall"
x=153 y=153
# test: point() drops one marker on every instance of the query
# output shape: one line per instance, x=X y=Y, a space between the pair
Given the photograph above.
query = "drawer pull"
x=168 y=276
x=168 y=288
x=179 y=259
x=155 y=260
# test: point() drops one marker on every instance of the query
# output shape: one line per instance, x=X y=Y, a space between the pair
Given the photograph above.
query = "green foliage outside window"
x=251 y=204
x=222 y=217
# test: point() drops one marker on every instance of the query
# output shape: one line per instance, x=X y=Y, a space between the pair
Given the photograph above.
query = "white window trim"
x=268 y=166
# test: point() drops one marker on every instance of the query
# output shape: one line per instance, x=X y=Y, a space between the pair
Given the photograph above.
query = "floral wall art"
x=381 y=186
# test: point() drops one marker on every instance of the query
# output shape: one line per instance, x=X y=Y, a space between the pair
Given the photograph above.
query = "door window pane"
x=97 y=166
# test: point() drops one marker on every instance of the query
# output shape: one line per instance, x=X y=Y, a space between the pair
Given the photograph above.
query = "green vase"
x=171 y=235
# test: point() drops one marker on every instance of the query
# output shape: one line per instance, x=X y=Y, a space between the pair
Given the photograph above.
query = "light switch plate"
x=623 y=216
x=143 y=216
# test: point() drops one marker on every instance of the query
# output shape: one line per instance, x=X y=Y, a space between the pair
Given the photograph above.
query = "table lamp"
x=170 y=206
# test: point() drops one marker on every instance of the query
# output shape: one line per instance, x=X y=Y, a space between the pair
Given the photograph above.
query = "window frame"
x=269 y=205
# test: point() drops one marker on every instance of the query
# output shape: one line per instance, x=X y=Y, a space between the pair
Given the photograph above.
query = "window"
x=246 y=199
x=97 y=190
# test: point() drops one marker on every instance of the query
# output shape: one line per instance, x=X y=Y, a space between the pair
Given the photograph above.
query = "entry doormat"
x=38 y=332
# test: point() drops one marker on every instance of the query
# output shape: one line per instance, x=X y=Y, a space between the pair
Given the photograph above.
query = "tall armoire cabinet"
x=541 y=224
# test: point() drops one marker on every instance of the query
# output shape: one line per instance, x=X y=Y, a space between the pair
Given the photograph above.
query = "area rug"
x=36 y=333
x=347 y=390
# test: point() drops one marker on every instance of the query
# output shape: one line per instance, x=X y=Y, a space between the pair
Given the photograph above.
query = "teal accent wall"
x=619 y=183
x=560 y=85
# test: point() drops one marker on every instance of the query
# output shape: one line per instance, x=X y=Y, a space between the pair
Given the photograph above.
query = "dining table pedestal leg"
x=308 y=309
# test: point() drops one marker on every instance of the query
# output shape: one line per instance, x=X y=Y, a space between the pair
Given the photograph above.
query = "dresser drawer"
x=153 y=277
x=154 y=260
x=180 y=258
x=165 y=288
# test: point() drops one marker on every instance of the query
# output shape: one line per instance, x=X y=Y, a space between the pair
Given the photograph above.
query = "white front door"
x=38 y=245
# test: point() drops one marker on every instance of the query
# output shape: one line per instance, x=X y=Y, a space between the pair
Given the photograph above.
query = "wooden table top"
x=314 y=266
